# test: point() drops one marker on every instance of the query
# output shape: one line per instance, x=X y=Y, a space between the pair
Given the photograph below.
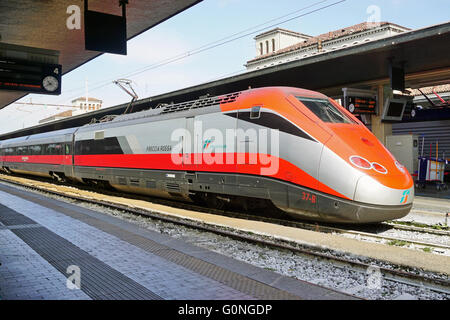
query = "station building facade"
x=280 y=45
x=80 y=106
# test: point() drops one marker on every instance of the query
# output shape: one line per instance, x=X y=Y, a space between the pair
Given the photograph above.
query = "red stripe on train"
x=286 y=170
x=59 y=159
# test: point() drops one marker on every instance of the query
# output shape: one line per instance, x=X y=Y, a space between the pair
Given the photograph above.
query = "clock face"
x=351 y=108
x=50 y=83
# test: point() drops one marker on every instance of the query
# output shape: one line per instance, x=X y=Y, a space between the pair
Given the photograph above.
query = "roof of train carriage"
x=332 y=69
x=45 y=136
x=38 y=24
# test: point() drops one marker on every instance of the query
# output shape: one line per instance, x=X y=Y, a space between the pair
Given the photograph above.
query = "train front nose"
x=379 y=202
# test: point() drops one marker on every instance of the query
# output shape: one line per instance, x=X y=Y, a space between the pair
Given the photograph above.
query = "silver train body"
x=237 y=147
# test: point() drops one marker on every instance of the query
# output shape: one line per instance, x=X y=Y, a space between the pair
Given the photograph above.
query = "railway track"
x=445 y=231
x=361 y=234
x=400 y=274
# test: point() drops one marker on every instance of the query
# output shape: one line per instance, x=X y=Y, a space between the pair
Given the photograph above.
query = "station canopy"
x=42 y=25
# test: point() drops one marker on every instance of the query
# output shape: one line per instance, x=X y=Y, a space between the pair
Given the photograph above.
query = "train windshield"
x=325 y=110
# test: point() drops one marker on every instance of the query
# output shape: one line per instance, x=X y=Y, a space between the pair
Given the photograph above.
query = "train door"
x=215 y=147
x=247 y=143
x=188 y=145
x=2 y=154
x=68 y=156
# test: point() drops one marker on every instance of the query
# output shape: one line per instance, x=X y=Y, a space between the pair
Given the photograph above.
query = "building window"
x=261 y=52
x=267 y=46
x=273 y=45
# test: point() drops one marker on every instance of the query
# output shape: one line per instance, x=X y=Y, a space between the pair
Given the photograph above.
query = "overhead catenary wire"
x=45 y=104
x=221 y=42
x=187 y=53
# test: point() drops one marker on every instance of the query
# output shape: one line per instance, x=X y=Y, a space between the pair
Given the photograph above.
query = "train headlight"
x=379 y=168
x=360 y=162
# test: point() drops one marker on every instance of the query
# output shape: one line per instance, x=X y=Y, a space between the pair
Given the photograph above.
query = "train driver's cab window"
x=255 y=113
x=325 y=110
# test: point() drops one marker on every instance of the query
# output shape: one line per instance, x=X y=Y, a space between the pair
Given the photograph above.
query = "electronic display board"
x=361 y=105
x=32 y=77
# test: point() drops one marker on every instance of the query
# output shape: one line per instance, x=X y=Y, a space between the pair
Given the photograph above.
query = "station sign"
x=30 y=77
x=360 y=102
x=105 y=32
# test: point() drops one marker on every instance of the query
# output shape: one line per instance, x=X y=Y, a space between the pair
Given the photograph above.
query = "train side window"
x=52 y=149
x=255 y=113
x=78 y=148
x=68 y=149
x=35 y=150
x=22 y=151
x=58 y=149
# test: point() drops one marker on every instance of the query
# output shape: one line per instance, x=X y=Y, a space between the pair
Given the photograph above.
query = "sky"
x=205 y=23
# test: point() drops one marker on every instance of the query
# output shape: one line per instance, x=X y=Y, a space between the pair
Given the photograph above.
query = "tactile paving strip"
x=11 y=218
x=232 y=279
x=98 y=280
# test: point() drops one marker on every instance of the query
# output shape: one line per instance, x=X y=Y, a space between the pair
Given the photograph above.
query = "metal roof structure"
x=42 y=24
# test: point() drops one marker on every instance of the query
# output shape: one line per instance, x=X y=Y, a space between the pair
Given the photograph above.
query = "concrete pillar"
x=380 y=129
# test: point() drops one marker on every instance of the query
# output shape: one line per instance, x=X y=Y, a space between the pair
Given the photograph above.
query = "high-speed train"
x=295 y=148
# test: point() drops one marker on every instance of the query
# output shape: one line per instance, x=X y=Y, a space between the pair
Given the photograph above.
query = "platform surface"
x=43 y=242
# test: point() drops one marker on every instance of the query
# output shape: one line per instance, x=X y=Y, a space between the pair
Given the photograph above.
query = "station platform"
x=43 y=242
x=431 y=192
